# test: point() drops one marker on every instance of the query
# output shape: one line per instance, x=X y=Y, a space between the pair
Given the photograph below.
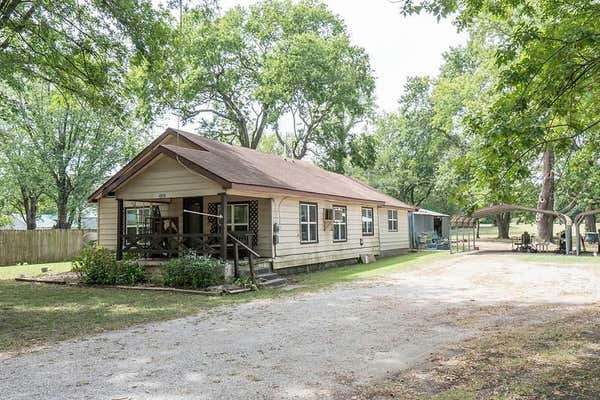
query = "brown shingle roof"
x=242 y=166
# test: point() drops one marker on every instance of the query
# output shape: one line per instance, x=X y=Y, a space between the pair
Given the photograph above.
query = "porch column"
x=120 y=212
x=223 y=225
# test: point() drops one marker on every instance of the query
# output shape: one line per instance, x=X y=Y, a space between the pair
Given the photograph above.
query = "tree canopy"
x=81 y=47
x=288 y=67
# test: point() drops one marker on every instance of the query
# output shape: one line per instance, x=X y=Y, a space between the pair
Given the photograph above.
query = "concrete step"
x=267 y=275
x=273 y=283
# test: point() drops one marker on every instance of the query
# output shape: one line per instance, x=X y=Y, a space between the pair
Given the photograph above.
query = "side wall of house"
x=393 y=242
x=289 y=252
x=107 y=222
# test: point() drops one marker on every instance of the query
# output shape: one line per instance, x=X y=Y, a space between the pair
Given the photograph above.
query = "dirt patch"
x=554 y=359
x=60 y=278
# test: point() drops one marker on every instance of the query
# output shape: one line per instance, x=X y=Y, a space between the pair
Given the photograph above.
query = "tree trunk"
x=62 y=200
x=31 y=205
x=546 y=198
x=503 y=223
x=590 y=223
x=29 y=210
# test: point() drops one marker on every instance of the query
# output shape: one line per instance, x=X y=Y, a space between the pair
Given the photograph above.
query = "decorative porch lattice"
x=213 y=208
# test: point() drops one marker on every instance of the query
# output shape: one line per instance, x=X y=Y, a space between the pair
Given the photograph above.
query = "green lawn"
x=15 y=271
x=368 y=271
x=37 y=314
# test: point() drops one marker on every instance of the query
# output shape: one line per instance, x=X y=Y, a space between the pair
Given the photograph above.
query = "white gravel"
x=310 y=346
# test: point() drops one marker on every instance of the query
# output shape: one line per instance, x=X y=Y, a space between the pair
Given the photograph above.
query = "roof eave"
x=131 y=172
x=102 y=190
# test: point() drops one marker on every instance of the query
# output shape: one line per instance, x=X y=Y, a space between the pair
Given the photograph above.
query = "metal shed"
x=428 y=223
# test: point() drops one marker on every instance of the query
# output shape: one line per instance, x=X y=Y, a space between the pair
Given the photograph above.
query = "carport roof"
x=423 y=211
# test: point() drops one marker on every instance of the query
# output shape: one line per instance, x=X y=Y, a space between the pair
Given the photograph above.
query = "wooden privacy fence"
x=39 y=246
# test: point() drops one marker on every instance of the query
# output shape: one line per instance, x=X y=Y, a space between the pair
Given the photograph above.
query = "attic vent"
x=110 y=194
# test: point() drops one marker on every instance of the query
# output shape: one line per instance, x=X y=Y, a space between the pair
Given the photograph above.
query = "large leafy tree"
x=68 y=147
x=81 y=47
x=277 y=64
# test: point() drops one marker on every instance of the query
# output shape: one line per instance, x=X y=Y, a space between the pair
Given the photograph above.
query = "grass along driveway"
x=40 y=314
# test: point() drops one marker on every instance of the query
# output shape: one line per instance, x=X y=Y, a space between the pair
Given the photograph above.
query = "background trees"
x=55 y=146
x=65 y=100
x=535 y=129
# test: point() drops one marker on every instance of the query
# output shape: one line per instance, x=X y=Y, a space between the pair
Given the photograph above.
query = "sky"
x=399 y=47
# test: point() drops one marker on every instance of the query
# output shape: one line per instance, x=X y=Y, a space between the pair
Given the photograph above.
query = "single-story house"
x=182 y=189
x=428 y=223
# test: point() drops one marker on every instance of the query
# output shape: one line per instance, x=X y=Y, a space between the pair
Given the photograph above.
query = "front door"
x=192 y=223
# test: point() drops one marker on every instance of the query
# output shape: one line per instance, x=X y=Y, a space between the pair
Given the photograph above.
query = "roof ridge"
x=236 y=146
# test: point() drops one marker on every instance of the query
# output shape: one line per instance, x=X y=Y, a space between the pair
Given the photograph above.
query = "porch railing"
x=167 y=245
x=236 y=257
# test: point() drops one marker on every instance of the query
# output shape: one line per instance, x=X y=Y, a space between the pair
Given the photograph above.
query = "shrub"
x=193 y=271
x=99 y=266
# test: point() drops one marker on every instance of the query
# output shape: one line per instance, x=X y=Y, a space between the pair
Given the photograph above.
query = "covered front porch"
x=230 y=227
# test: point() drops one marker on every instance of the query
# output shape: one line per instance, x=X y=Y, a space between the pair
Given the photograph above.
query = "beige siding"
x=290 y=252
x=107 y=222
x=393 y=240
x=166 y=178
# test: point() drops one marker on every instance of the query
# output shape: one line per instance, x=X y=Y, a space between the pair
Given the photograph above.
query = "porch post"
x=120 y=212
x=224 y=211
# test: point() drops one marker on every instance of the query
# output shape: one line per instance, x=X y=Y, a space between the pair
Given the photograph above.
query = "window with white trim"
x=367 y=221
x=135 y=220
x=340 y=224
x=238 y=217
x=308 y=223
x=393 y=220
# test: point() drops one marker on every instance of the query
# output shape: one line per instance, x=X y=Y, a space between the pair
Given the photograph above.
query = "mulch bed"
x=72 y=278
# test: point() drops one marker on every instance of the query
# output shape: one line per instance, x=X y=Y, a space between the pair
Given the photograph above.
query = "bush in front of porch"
x=192 y=271
x=99 y=266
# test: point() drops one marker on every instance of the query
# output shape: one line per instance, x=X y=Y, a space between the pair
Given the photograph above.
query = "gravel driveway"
x=308 y=346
